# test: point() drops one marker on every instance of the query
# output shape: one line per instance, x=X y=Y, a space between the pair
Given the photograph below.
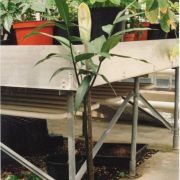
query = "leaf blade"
x=81 y=92
x=60 y=70
x=84 y=56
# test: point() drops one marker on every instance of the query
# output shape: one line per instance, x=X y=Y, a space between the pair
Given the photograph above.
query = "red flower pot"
x=24 y=28
x=144 y=34
x=130 y=37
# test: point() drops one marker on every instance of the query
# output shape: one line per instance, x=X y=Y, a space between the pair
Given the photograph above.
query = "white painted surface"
x=17 y=64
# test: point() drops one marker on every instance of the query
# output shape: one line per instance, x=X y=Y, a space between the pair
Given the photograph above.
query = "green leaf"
x=107 y=81
x=48 y=23
x=63 y=10
x=149 y=4
x=60 y=70
x=110 y=43
x=8 y=20
x=65 y=57
x=81 y=92
x=163 y=3
x=153 y=12
x=38 y=6
x=75 y=39
x=95 y=46
x=123 y=11
x=116 y=2
x=107 y=28
x=126 y=17
x=93 y=67
x=60 y=39
x=32 y=176
x=123 y=56
x=85 y=72
x=131 y=30
x=84 y=56
x=152 y=16
x=60 y=25
x=12 y=177
x=164 y=23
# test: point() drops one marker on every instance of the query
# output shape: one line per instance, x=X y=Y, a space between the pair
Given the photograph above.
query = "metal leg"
x=71 y=137
x=134 y=128
x=25 y=163
x=104 y=135
x=154 y=112
x=176 y=111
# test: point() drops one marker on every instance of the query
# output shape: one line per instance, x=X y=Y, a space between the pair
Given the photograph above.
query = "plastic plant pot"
x=130 y=37
x=57 y=165
x=74 y=31
x=156 y=32
x=102 y=16
x=24 y=28
x=144 y=34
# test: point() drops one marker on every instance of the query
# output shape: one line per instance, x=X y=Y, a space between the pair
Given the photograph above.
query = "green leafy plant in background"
x=11 y=177
x=159 y=10
x=29 y=176
x=9 y=12
x=174 y=7
x=25 y=10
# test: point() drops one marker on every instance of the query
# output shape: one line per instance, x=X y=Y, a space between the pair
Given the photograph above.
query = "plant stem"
x=88 y=132
x=72 y=55
x=88 y=135
x=92 y=83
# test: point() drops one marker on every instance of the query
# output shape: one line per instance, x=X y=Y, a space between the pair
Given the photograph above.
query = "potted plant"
x=174 y=6
x=138 y=21
x=32 y=12
x=133 y=35
x=9 y=12
x=22 y=16
x=74 y=30
x=103 y=12
x=161 y=17
x=84 y=66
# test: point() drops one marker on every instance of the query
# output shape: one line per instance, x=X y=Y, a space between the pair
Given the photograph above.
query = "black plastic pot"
x=11 y=40
x=28 y=136
x=102 y=16
x=116 y=154
x=57 y=165
x=172 y=34
x=157 y=33
x=54 y=142
x=74 y=31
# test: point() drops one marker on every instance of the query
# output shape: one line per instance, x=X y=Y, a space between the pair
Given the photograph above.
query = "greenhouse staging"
x=25 y=76
x=89 y=89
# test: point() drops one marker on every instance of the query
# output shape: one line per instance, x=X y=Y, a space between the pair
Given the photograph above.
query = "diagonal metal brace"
x=25 y=163
x=155 y=112
x=98 y=145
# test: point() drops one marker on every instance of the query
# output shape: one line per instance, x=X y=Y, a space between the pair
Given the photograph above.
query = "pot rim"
x=31 y=24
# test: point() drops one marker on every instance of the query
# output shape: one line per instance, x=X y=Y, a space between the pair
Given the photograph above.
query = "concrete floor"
x=163 y=165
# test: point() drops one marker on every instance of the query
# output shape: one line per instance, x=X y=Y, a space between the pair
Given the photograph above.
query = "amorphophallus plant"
x=85 y=64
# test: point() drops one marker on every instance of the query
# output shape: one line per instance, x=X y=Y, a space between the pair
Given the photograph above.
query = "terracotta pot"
x=144 y=34
x=24 y=28
x=130 y=37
